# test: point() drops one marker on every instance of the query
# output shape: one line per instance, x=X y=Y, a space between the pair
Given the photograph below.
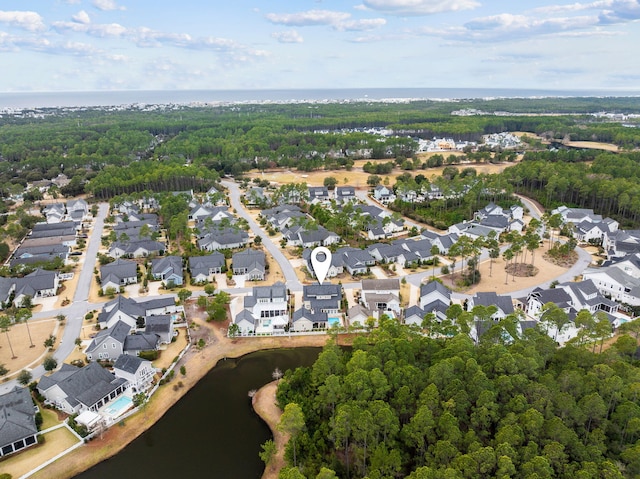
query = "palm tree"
x=5 y=326
x=23 y=315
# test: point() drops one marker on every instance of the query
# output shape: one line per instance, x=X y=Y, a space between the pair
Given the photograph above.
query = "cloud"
x=107 y=5
x=81 y=17
x=290 y=36
x=99 y=30
x=30 y=21
x=308 y=18
x=419 y=7
x=361 y=25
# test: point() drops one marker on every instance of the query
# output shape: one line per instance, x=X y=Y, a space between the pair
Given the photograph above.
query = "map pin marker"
x=321 y=265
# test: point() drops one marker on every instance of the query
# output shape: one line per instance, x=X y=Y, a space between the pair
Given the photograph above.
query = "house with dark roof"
x=386 y=253
x=119 y=273
x=38 y=284
x=202 y=268
x=7 y=287
x=135 y=343
x=345 y=194
x=310 y=238
x=129 y=310
x=108 y=344
x=435 y=298
x=251 y=263
x=503 y=303
x=322 y=297
x=537 y=298
x=73 y=389
x=18 y=428
x=161 y=325
x=318 y=194
x=226 y=238
x=137 y=372
x=136 y=249
x=414 y=315
x=355 y=261
x=335 y=268
x=309 y=320
x=266 y=310
x=168 y=269
x=36 y=254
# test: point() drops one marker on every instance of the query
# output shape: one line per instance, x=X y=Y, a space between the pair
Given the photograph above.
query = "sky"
x=101 y=45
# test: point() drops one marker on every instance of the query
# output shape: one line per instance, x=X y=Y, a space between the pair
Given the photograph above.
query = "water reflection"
x=212 y=431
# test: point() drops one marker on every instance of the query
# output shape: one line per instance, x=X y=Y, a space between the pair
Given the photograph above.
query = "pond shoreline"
x=197 y=363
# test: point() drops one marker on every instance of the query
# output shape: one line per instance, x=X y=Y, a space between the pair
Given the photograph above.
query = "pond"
x=212 y=431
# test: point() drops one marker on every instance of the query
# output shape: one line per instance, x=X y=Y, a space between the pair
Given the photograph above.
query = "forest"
x=402 y=404
x=230 y=139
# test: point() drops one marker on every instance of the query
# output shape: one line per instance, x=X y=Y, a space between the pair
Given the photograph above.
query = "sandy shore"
x=264 y=403
x=197 y=363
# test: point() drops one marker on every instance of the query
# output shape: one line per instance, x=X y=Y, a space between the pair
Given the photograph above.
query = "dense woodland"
x=400 y=404
x=232 y=139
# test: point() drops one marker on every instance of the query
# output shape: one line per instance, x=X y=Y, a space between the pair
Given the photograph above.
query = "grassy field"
x=358 y=178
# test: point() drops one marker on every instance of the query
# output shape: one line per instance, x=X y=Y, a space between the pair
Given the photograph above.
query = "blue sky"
x=71 y=45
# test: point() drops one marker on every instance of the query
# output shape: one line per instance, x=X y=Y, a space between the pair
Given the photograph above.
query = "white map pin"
x=321 y=266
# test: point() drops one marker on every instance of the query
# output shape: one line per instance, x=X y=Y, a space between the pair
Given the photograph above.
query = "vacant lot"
x=17 y=338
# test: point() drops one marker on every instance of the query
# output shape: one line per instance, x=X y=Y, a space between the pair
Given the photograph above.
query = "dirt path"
x=197 y=363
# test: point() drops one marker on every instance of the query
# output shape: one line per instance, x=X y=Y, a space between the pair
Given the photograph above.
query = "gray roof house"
x=17 y=421
x=318 y=194
x=345 y=194
x=251 y=263
x=134 y=344
x=39 y=284
x=381 y=296
x=317 y=237
x=503 y=303
x=414 y=315
x=308 y=320
x=136 y=249
x=137 y=372
x=119 y=273
x=223 y=239
x=202 y=268
x=108 y=344
x=161 y=325
x=168 y=269
x=322 y=297
x=72 y=389
x=7 y=286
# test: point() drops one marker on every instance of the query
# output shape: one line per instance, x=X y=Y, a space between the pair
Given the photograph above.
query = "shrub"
x=150 y=355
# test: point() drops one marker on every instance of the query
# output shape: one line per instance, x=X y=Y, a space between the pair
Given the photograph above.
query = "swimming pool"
x=119 y=406
x=334 y=321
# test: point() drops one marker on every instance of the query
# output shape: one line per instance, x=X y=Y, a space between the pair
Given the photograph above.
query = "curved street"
x=79 y=307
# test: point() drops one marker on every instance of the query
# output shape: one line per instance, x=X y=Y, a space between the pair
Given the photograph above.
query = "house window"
x=104 y=346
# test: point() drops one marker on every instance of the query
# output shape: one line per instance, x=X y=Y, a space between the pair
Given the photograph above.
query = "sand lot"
x=18 y=336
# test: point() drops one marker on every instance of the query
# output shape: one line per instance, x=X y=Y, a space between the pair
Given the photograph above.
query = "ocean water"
x=117 y=98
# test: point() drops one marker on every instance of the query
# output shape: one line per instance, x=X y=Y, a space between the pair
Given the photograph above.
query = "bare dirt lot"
x=18 y=338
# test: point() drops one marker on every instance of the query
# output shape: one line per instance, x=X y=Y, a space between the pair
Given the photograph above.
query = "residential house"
x=73 y=389
x=39 y=254
x=251 y=263
x=383 y=194
x=345 y=194
x=39 y=284
x=318 y=194
x=202 y=268
x=537 y=298
x=168 y=269
x=336 y=267
x=119 y=273
x=135 y=343
x=358 y=315
x=255 y=197
x=317 y=237
x=576 y=215
x=108 y=344
x=621 y=243
x=139 y=373
x=7 y=287
x=588 y=231
x=228 y=238
x=381 y=296
x=435 y=298
x=414 y=315
x=615 y=283
x=132 y=312
x=161 y=325
x=268 y=307
x=136 y=249
x=18 y=428
x=308 y=320
x=355 y=261
x=503 y=303
x=386 y=253
x=444 y=242
x=322 y=298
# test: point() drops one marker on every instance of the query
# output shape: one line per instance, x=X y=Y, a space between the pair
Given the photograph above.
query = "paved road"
x=76 y=311
x=292 y=281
